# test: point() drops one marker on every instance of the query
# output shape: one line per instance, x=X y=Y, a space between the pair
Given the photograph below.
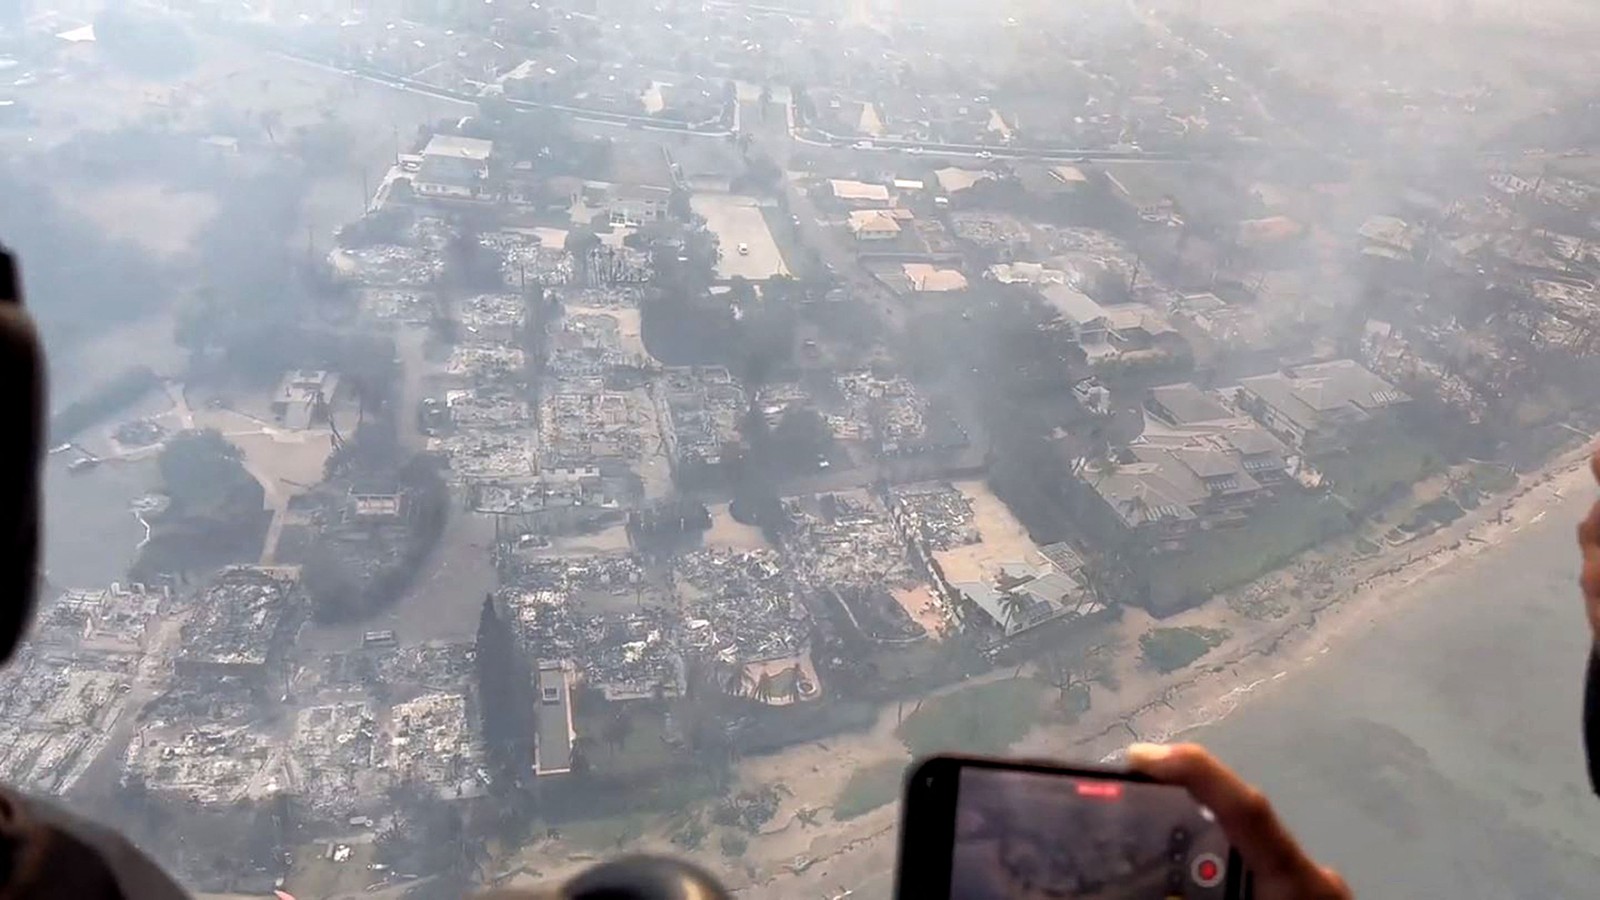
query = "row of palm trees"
x=765 y=688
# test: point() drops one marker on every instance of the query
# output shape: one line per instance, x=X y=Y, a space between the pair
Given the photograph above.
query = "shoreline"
x=1289 y=644
x=1214 y=687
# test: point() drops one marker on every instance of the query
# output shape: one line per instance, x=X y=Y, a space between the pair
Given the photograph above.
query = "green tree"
x=1013 y=604
x=505 y=690
x=203 y=472
x=801 y=437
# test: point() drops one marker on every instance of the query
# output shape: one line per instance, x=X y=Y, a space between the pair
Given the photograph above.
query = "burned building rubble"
x=487 y=408
x=528 y=260
x=846 y=545
x=430 y=741
x=605 y=617
x=486 y=364
x=56 y=712
x=846 y=539
x=116 y=619
x=431 y=666
x=628 y=655
x=204 y=763
x=587 y=344
x=740 y=606
x=582 y=422
x=703 y=407
x=331 y=759
x=240 y=623
x=497 y=456
x=935 y=514
x=890 y=415
x=493 y=317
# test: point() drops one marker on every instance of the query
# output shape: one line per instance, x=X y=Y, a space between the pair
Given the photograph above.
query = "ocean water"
x=90 y=533
x=1437 y=752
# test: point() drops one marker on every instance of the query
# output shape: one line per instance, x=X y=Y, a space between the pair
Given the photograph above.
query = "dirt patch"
x=628 y=326
x=734 y=535
x=1004 y=540
x=609 y=540
x=292 y=460
x=923 y=607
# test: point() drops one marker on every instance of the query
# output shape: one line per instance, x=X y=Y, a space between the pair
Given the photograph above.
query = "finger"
x=1244 y=812
x=1589 y=545
x=1594 y=464
x=10 y=283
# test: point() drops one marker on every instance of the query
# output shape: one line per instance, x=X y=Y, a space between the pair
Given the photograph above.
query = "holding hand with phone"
x=1279 y=868
x=1178 y=825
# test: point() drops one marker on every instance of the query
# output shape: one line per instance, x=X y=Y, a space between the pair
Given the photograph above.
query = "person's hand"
x=1281 y=869
x=1589 y=544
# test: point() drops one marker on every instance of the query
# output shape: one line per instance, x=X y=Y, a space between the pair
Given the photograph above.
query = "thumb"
x=1244 y=813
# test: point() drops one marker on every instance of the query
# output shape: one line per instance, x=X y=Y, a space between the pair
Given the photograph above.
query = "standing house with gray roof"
x=1319 y=408
x=453 y=167
x=1086 y=321
x=1198 y=464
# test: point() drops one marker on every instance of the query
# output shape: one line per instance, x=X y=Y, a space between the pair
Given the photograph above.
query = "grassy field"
x=607 y=834
x=1226 y=558
x=1170 y=649
x=1371 y=474
x=986 y=719
x=642 y=751
x=870 y=787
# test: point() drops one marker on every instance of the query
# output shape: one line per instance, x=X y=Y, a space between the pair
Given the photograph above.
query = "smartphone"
x=990 y=829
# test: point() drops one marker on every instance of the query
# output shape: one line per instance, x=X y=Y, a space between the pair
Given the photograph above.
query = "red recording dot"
x=1207 y=870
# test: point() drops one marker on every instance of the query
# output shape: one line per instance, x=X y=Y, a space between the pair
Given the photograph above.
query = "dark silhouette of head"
x=21 y=452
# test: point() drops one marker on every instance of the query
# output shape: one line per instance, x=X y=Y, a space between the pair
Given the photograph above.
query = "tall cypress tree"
x=505 y=697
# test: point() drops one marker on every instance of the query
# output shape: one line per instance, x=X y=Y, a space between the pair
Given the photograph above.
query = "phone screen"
x=1026 y=834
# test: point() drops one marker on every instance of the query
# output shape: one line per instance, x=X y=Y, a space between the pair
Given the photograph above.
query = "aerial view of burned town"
x=487 y=437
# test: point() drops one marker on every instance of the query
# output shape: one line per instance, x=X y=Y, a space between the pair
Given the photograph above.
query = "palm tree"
x=1013 y=604
x=764 y=689
x=1138 y=507
x=735 y=680
x=617 y=730
x=791 y=691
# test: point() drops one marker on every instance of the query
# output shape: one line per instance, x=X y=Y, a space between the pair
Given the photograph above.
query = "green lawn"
x=607 y=834
x=1490 y=479
x=641 y=751
x=1219 y=560
x=985 y=719
x=870 y=787
x=1170 y=649
x=1367 y=475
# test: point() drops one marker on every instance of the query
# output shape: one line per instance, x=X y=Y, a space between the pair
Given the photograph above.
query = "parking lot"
x=738 y=221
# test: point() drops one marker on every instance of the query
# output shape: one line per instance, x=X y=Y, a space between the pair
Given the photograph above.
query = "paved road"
x=723 y=127
x=149 y=680
x=774 y=136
